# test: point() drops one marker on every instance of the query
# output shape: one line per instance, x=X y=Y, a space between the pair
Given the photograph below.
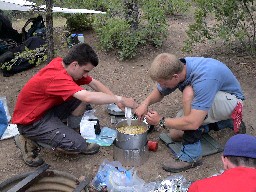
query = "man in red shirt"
x=55 y=94
x=239 y=160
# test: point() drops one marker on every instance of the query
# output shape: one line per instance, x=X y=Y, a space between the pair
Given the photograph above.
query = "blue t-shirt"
x=207 y=76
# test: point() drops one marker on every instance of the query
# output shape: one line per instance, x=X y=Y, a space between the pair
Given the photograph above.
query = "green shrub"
x=115 y=31
x=127 y=24
x=230 y=20
x=79 y=22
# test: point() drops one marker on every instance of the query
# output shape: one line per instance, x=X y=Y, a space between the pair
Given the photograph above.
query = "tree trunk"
x=49 y=30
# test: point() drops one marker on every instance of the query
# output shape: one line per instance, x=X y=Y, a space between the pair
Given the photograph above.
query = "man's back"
x=239 y=179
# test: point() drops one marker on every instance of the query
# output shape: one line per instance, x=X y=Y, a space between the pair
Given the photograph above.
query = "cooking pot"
x=131 y=141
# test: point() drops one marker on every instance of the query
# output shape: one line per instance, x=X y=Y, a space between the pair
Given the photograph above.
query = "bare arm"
x=103 y=98
x=100 y=87
x=192 y=121
x=187 y=97
x=154 y=97
x=189 y=122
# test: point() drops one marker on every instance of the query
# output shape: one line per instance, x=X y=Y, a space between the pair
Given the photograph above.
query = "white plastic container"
x=80 y=38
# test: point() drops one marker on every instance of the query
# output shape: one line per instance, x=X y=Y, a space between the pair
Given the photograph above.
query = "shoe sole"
x=92 y=152
x=172 y=170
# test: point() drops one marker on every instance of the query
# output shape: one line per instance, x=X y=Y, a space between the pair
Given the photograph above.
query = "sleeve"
x=63 y=88
x=84 y=81
x=204 y=92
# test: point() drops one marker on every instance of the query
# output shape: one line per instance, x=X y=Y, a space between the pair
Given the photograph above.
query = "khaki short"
x=222 y=108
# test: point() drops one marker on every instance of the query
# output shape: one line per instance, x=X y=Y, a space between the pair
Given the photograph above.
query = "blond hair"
x=164 y=66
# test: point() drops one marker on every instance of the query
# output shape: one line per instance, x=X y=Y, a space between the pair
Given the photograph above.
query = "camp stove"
x=131 y=149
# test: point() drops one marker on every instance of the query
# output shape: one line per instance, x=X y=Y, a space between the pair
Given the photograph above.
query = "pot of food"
x=133 y=136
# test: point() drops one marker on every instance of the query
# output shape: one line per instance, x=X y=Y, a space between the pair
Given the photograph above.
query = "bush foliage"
x=127 y=25
x=234 y=20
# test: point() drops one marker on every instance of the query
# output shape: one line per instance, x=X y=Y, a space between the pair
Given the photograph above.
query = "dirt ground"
x=130 y=78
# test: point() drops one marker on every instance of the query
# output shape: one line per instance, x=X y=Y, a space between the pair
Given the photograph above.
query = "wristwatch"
x=162 y=122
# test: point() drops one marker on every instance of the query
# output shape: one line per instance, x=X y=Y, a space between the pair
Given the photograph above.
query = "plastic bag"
x=10 y=131
x=89 y=125
x=115 y=178
x=105 y=138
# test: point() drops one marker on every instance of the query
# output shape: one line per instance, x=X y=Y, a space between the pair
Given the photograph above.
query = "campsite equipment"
x=128 y=115
x=37 y=28
x=131 y=157
x=130 y=146
x=112 y=176
x=113 y=110
x=4 y=101
x=90 y=125
x=3 y=119
x=131 y=141
x=80 y=38
x=74 y=38
x=43 y=179
x=209 y=145
x=152 y=145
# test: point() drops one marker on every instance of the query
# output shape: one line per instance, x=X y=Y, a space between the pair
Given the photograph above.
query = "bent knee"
x=176 y=135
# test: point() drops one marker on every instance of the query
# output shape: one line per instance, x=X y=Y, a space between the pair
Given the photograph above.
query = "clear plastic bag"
x=114 y=177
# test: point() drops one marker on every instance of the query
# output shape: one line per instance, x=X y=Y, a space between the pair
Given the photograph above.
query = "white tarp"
x=19 y=5
x=22 y=5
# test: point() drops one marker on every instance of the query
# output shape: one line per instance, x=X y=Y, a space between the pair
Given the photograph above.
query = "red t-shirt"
x=239 y=179
x=51 y=86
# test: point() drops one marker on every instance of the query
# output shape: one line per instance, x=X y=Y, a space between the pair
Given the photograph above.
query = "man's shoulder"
x=57 y=62
x=206 y=184
x=53 y=68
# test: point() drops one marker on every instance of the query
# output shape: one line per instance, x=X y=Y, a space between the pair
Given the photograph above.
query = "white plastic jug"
x=80 y=38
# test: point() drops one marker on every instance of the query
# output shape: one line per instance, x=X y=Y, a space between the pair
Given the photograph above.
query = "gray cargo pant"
x=51 y=131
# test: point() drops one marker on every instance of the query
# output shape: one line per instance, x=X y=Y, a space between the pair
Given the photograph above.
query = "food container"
x=131 y=141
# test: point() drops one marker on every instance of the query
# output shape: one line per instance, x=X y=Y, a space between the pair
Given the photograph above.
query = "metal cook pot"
x=131 y=141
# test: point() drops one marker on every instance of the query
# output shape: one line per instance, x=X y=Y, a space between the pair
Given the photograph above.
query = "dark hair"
x=83 y=54
x=242 y=161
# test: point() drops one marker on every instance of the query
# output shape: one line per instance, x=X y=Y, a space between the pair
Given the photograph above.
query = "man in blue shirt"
x=210 y=93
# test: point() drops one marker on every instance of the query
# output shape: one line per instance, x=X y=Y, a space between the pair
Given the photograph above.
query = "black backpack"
x=12 y=57
x=37 y=28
